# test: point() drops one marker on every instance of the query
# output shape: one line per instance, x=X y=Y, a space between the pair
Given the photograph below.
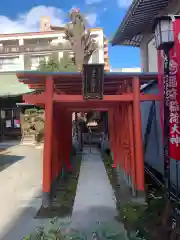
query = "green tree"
x=66 y=64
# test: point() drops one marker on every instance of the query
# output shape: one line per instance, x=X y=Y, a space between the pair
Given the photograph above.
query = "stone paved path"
x=20 y=189
x=95 y=200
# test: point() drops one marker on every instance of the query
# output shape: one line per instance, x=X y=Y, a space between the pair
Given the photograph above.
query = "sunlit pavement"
x=20 y=191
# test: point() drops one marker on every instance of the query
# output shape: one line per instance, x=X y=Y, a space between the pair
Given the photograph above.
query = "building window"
x=37 y=59
x=8 y=61
x=95 y=57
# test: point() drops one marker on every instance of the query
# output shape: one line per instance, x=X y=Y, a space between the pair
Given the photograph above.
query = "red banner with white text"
x=174 y=95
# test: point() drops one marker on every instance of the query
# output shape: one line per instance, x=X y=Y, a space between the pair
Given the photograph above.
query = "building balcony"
x=11 y=67
x=32 y=48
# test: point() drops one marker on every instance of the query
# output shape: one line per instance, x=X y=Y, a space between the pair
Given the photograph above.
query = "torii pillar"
x=48 y=148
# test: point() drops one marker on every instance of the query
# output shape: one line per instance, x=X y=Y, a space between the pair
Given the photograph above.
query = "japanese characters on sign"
x=166 y=114
x=174 y=110
x=93 y=81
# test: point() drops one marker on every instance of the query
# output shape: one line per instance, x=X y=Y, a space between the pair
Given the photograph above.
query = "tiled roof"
x=10 y=85
x=138 y=18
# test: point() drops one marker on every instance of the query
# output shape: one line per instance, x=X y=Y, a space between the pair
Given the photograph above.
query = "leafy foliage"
x=32 y=122
x=66 y=64
x=142 y=221
x=59 y=230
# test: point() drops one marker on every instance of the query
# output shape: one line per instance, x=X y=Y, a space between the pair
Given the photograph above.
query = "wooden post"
x=122 y=140
x=67 y=142
x=139 y=155
x=76 y=126
x=127 y=144
x=63 y=137
x=57 y=146
x=131 y=142
x=112 y=135
x=125 y=141
x=110 y=126
x=117 y=135
x=60 y=140
x=47 y=155
x=121 y=137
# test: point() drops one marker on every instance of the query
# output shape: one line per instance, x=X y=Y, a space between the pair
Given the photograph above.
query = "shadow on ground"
x=7 y=160
x=89 y=217
x=24 y=222
x=64 y=193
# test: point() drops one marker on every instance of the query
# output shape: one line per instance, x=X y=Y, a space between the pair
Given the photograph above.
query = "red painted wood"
x=56 y=143
x=110 y=129
x=79 y=98
x=69 y=140
x=60 y=139
x=116 y=130
x=125 y=127
x=128 y=142
x=122 y=138
x=114 y=134
x=131 y=142
x=138 y=136
x=47 y=155
x=61 y=162
x=63 y=98
x=124 y=122
x=66 y=141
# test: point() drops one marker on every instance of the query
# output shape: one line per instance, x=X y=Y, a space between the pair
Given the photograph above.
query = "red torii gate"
x=61 y=94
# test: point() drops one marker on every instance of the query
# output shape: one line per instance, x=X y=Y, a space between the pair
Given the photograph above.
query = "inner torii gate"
x=61 y=94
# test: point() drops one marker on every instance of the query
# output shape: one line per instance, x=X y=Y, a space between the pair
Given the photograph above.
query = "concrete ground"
x=95 y=200
x=20 y=189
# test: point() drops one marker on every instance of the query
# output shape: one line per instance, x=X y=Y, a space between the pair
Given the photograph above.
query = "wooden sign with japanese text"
x=169 y=87
x=93 y=81
x=174 y=96
x=174 y=110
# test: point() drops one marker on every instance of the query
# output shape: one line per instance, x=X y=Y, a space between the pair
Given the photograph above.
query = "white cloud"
x=91 y=19
x=124 y=3
x=89 y=2
x=29 y=21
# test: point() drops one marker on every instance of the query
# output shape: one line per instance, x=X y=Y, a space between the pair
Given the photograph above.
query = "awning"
x=10 y=85
x=137 y=20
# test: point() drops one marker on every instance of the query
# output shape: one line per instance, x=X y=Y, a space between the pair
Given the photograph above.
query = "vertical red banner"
x=174 y=95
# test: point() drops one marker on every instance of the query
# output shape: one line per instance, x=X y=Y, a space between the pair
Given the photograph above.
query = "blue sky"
x=24 y=15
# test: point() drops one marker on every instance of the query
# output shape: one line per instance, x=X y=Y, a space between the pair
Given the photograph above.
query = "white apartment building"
x=126 y=70
x=24 y=51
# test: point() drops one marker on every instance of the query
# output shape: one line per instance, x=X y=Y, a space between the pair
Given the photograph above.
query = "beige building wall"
x=11 y=59
x=125 y=70
x=106 y=56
